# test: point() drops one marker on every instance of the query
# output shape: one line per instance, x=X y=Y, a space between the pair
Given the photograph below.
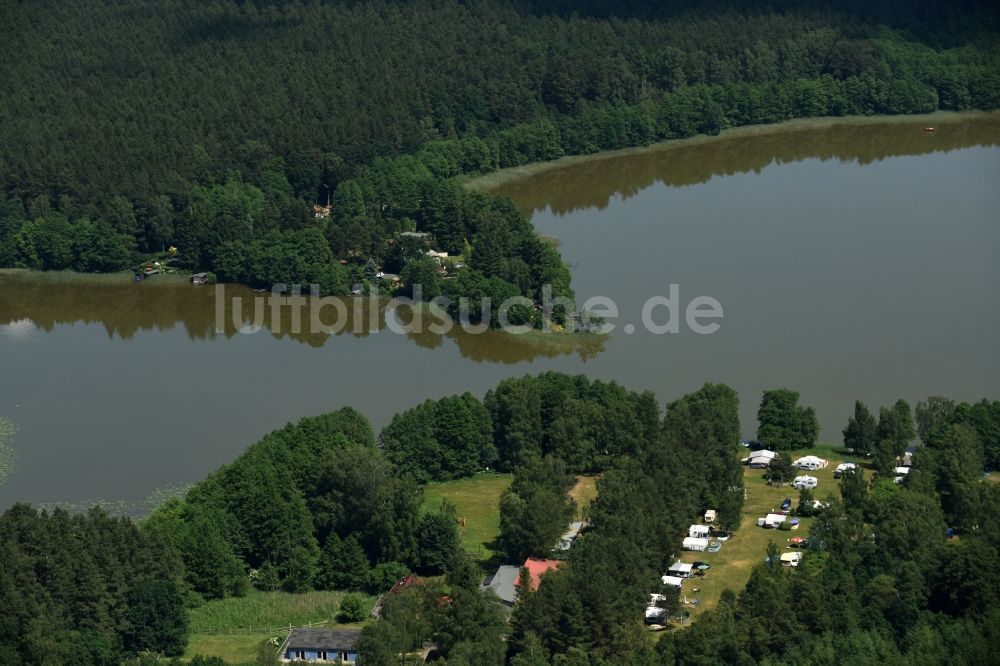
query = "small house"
x=536 y=569
x=501 y=583
x=699 y=531
x=680 y=570
x=321 y=645
x=672 y=581
x=810 y=462
x=694 y=543
x=710 y=516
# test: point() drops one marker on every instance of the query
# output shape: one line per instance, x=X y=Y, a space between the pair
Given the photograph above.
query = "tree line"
x=585 y=423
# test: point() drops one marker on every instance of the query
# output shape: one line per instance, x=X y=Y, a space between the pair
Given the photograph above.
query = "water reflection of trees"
x=593 y=183
x=126 y=309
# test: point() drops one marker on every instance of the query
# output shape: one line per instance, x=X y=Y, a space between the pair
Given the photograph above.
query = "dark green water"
x=856 y=261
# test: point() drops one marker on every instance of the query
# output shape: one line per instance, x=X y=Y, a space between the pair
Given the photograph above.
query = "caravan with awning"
x=694 y=543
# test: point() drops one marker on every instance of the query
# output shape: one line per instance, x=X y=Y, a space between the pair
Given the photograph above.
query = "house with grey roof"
x=320 y=645
x=502 y=585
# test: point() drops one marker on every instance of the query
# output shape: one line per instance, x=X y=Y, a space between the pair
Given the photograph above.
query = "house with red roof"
x=405 y=583
x=536 y=569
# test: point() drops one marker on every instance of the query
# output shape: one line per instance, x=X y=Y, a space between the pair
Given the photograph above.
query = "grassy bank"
x=493 y=180
x=562 y=342
x=498 y=345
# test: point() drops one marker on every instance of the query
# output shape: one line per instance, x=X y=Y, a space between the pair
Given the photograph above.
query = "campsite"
x=731 y=566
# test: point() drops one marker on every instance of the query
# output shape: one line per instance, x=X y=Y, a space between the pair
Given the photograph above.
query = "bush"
x=352 y=609
x=383 y=576
x=199 y=660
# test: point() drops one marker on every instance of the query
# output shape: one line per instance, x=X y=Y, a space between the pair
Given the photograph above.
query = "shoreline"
x=496 y=179
x=75 y=277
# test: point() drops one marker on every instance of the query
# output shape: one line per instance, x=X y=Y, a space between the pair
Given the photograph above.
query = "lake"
x=851 y=261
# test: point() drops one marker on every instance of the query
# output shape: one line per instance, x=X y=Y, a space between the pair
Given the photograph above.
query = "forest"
x=217 y=127
x=894 y=573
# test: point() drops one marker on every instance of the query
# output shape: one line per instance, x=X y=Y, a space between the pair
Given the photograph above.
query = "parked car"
x=786 y=505
x=714 y=547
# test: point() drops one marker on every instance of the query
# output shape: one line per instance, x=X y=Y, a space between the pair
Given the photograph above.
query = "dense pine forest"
x=894 y=573
x=215 y=127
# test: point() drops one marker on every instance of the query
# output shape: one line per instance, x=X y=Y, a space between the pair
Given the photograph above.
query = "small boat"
x=930 y=129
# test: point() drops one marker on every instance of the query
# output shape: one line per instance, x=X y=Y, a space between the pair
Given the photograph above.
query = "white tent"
x=763 y=453
x=699 y=531
x=774 y=519
x=694 y=543
x=681 y=569
x=673 y=581
x=791 y=559
x=810 y=462
x=759 y=462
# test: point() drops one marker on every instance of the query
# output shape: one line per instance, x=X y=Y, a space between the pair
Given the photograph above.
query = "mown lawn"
x=235 y=649
x=477 y=503
x=234 y=628
x=583 y=493
x=731 y=566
